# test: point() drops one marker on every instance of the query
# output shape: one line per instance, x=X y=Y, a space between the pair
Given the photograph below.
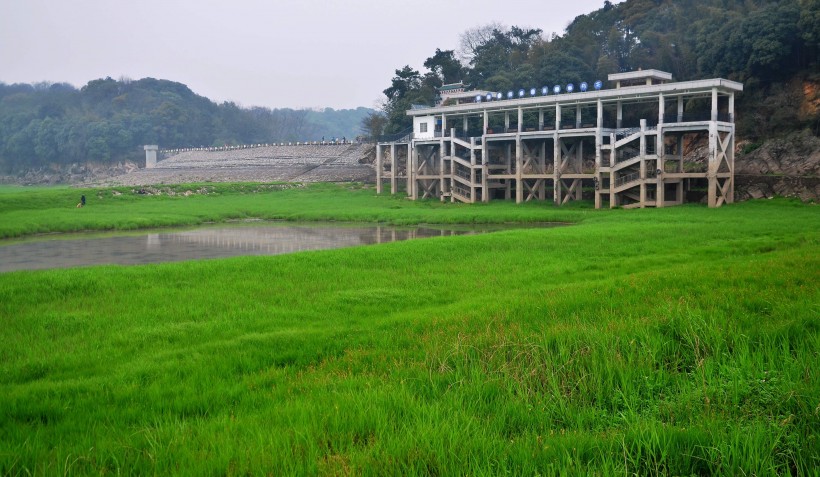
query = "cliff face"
x=787 y=166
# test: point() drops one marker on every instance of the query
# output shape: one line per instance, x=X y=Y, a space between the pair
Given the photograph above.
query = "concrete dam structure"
x=280 y=162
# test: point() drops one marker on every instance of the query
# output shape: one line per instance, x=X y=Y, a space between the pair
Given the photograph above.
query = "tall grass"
x=676 y=342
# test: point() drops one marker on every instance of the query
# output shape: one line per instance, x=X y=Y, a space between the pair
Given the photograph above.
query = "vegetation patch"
x=672 y=341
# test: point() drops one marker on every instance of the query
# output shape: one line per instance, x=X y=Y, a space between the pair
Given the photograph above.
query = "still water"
x=75 y=250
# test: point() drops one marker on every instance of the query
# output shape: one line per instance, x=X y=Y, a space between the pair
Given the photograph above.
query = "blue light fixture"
x=584 y=86
x=498 y=96
x=599 y=84
x=509 y=95
x=556 y=89
x=545 y=91
x=489 y=96
x=478 y=98
x=532 y=91
x=570 y=88
x=521 y=93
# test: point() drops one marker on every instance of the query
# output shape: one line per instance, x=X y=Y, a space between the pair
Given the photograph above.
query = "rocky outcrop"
x=786 y=167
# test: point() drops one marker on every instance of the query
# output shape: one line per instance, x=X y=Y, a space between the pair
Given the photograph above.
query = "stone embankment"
x=267 y=163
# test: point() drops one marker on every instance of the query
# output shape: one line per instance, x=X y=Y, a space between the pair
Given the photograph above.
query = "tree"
x=372 y=125
x=445 y=66
x=473 y=38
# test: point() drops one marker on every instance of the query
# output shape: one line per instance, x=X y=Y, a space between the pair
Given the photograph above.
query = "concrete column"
x=408 y=169
x=519 y=166
x=619 y=115
x=540 y=119
x=599 y=141
x=412 y=173
x=443 y=124
x=643 y=163
x=711 y=174
x=485 y=191
x=612 y=152
x=441 y=165
x=379 y=168
x=472 y=170
x=661 y=108
x=151 y=156
x=599 y=123
x=452 y=163
x=730 y=197
x=714 y=104
x=577 y=116
x=732 y=108
x=557 y=117
x=520 y=119
x=506 y=121
x=680 y=109
x=556 y=165
x=486 y=121
x=394 y=164
x=465 y=125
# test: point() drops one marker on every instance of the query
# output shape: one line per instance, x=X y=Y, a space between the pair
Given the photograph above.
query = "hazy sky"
x=274 y=53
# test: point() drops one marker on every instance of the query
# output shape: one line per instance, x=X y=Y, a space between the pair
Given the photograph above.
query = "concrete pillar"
x=680 y=109
x=486 y=121
x=661 y=108
x=556 y=165
x=485 y=191
x=730 y=157
x=714 y=104
x=643 y=163
x=732 y=108
x=599 y=142
x=612 y=152
x=540 y=119
x=619 y=115
x=557 y=117
x=577 y=116
x=465 y=125
x=151 y=156
x=441 y=152
x=472 y=170
x=711 y=173
x=412 y=174
x=520 y=119
x=394 y=164
x=506 y=121
x=407 y=167
x=519 y=166
x=379 y=168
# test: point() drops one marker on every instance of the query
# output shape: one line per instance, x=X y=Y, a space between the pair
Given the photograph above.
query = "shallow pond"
x=74 y=250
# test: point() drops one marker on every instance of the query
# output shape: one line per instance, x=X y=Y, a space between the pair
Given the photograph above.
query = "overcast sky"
x=271 y=53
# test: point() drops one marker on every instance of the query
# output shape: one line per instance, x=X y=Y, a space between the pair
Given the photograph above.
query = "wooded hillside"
x=771 y=46
x=110 y=120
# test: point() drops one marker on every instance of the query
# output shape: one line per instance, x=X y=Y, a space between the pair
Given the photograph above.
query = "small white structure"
x=424 y=127
x=151 y=156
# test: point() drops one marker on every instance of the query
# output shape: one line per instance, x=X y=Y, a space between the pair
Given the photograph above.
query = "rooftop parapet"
x=640 y=78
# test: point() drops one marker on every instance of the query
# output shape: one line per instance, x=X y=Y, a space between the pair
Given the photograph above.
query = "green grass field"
x=679 y=341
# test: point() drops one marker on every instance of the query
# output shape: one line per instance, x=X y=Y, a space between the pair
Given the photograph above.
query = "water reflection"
x=208 y=242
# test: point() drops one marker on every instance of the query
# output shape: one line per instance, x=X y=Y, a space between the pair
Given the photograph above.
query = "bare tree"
x=474 y=37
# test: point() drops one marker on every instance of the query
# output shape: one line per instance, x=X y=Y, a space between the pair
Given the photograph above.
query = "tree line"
x=763 y=43
x=110 y=120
